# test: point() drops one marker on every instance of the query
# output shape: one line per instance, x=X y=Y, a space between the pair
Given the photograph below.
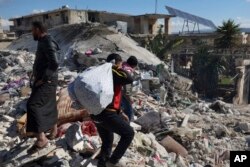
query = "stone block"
x=245 y=127
x=173 y=146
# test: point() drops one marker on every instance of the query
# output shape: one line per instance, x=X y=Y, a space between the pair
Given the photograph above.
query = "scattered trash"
x=173 y=127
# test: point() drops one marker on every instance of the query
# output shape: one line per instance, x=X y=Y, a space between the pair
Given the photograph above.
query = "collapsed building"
x=141 y=24
x=173 y=127
x=6 y=36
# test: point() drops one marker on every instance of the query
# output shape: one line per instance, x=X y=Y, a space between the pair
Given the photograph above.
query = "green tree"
x=160 y=44
x=156 y=44
x=228 y=34
x=206 y=69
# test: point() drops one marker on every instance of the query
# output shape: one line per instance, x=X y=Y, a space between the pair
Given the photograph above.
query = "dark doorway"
x=93 y=17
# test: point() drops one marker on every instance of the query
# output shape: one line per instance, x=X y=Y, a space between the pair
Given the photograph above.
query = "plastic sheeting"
x=93 y=88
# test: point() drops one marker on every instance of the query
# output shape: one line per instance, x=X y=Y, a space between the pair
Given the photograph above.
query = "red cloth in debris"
x=89 y=128
x=61 y=130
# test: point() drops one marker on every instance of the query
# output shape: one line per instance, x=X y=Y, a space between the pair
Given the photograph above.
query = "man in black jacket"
x=41 y=106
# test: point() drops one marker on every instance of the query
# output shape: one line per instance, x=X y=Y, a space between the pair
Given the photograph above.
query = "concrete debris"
x=244 y=127
x=173 y=127
x=172 y=146
x=150 y=121
x=4 y=97
x=185 y=121
x=80 y=142
x=8 y=118
x=18 y=155
x=135 y=126
x=86 y=37
x=180 y=162
x=87 y=61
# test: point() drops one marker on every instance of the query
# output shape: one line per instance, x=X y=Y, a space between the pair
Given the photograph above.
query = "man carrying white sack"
x=109 y=121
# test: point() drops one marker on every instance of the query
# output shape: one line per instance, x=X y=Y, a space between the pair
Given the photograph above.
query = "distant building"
x=6 y=36
x=142 y=24
x=53 y=18
x=245 y=35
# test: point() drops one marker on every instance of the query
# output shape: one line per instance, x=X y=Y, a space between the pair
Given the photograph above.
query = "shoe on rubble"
x=119 y=164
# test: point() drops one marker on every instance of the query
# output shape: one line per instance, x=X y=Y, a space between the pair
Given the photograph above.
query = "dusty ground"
x=3 y=45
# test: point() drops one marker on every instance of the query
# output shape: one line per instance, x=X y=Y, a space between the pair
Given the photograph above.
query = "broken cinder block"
x=173 y=146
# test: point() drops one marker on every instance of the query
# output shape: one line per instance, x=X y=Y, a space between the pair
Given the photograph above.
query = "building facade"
x=143 y=24
x=50 y=19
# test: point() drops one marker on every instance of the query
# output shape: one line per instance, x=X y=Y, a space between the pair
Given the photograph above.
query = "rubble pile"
x=173 y=127
x=14 y=80
x=95 y=41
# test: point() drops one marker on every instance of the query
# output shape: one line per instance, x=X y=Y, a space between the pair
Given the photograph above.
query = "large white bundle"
x=93 y=88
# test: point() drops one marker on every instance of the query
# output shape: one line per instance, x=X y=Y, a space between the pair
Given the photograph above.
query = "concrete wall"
x=2 y=36
x=136 y=24
x=167 y=28
x=49 y=19
x=4 y=45
x=144 y=26
x=77 y=17
x=248 y=38
x=154 y=26
x=243 y=82
x=111 y=17
x=55 y=19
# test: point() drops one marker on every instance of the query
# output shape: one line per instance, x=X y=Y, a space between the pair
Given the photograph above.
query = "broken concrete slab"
x=180 y=162
x=244 y=127
x=135 y=126
x=172 y=146
x=19 y=156
x=185 y=121
x=69 y=37
x=151 y=121
x=8 y=118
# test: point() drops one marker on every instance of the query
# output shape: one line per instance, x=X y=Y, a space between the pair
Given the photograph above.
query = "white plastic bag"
x=80 y=142
x=94 y=89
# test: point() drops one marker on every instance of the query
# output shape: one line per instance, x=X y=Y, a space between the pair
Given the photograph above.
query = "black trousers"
x=107 y=123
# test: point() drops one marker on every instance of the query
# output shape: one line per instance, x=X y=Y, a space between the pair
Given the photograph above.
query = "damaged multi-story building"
x=140 y=24
x=5 y=35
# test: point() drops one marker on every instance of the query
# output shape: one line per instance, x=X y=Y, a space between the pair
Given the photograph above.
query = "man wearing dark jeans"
x=108 y=123
x=111 y=121
x=127 y=107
